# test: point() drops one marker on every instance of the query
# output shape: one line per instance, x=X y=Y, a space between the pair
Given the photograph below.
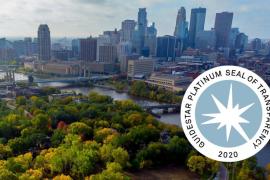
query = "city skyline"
x=84 y=18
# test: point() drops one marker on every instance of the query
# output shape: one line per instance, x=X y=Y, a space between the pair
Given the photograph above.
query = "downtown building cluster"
x=136 y=49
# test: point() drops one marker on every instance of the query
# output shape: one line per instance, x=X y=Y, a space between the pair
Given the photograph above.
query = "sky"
x=82 y=18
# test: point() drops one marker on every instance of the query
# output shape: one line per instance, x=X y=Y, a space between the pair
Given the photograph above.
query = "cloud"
x=85 y=17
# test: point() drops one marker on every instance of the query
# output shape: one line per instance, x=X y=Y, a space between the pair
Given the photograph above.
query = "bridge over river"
x=166 y=108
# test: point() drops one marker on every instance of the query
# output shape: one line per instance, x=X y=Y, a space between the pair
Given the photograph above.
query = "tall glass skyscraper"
x=44 y=43
x=197 y=20
x=142 y=26
x=181 y=27
x=223 y=25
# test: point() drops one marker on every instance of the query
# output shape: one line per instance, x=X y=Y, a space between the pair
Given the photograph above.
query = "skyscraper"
x=166 y=47
x=88 y=51
x=181 y=27
x=75 y=47
x=151 y=40
x=107 y=53
x=44 y=43
x=233 y=35
x=128 y=28
x=256 y=44
x=142 y=26
x=28 y=46
x=223 y=25
x=197 y=20
x=206 y=40
x=241 y=41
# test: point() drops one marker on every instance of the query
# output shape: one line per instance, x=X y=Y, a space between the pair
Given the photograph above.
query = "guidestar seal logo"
x=225 y=113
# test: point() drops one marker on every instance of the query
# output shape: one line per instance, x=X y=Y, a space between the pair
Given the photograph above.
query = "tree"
x=202 y=165
x=62 y=177
x=133 y=119
x=120 y=156
x=41 y=122
x=197 y=164
x=5 y=151
x=31 y=174
x=57 y=137
x=84 y=163
x=96 y=98
x=21 y=100
x=113 y=172
x=80 y=129
x=7 y=175
x=17 y=145
x=102 y=134
x=178 y=149
x=153 y=154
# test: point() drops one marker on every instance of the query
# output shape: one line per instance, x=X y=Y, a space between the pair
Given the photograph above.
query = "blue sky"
x=80 y=18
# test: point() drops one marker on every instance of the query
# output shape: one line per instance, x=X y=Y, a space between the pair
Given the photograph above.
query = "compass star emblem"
x=229 y=117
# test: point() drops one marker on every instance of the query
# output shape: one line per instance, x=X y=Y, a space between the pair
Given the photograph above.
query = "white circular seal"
x=225 y=113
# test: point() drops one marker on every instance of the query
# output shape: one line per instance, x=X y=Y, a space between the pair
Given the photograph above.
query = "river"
x=263 y=156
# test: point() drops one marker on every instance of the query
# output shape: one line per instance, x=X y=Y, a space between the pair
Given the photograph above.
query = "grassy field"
x=168 y=173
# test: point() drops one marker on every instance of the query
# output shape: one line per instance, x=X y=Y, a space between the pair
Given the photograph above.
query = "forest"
x=94 y=137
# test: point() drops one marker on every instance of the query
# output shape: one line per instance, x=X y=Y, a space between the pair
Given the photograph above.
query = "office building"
x=7 y=52
x=28 y=46
x=151 y=40
x=223 y=25
x=101 y=40
x=19 y=47
x=114 y=36
x=166 y=46
x=107 y=53
x=128 y=28
x=44 y=43
x=68 y=69
x=241 y=41
x=88 y=48
x=181 y=27
x=169 y=82
x=75 y=46
x=233 y=35
x=140 y=67
x=256 y=44
x=142 y=27
x=124 y=50
x=136 y=42
x=197 y=20
x=206 y=40
x=62 y=54
x=35 y=46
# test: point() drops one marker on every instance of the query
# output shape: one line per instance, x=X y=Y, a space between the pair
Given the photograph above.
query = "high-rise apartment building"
x=223 y=25
x=44 y=43
x=197 y=20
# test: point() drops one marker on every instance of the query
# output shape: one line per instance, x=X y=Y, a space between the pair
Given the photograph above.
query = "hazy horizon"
x=82 y=18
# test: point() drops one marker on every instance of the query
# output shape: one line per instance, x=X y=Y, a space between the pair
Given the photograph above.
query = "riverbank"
x=174 y=119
